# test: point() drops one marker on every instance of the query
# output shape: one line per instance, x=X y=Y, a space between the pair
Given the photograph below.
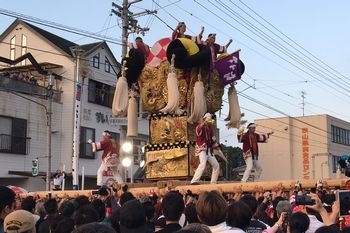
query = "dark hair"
x=84 y=215
x=239 y=215
x=64 y=225
x=127 y=196
x=104 y=191
x=7 y=197
x=173 y=206
x=100 y=207
x=250 y=124
x=82 y=200
x=328 y=229
x=251 y=201
x=346 y=230
x=125 y=187
x=28 y=203
x=94 y=227
x=132 y=217
x=191 y=213
x=186 y=231
x=299 y=222
x=67 y=208
x=115 y=218
x=51 y=206
x=149 y=210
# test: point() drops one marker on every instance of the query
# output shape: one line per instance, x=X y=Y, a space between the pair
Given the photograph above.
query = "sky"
x=288 y=47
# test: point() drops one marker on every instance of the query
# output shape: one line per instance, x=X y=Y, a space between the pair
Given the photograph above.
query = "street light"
x=130 y=158
x=126 y=161
x=127 y=147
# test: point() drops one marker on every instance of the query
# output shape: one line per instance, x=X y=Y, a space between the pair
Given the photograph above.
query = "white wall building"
x=85 y=79
x=303 y=147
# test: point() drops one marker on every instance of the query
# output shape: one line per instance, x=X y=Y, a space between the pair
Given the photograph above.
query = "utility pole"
x=129 y=24
x=303 y=93
x=49 y=123
x=76 y=130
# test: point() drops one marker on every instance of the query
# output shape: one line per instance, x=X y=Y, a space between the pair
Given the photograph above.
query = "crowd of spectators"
x=106 y=210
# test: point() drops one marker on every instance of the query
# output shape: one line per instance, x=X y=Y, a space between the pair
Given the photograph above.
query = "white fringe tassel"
x=173 y=92
x=199 y=103
x=132 y=130
x=120 y=100
x=235 y=114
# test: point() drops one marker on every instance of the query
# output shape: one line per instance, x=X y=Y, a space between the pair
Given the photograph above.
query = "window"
x=85 y=149
x=335 y=160
x=13 y=48
x=340 y=135
x=24 y=48
x=96 y=61
x=13 y=136
x=100 y=93
x=107 y=65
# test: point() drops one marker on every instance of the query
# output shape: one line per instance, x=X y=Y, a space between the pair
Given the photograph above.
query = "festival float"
x=178 y=83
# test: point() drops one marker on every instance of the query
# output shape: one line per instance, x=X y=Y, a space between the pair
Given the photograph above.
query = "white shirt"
x=222 y=228
x=314 y=224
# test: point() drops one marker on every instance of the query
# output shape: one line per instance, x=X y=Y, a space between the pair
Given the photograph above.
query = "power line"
x=272 y=42
x=60 y=26
x=293 y=41
x=292 y=64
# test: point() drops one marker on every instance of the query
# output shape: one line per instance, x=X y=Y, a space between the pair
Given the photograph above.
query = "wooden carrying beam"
x=262 y=186
x=233 y=187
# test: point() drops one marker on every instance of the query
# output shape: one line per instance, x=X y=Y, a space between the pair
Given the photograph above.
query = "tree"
x=234 y=158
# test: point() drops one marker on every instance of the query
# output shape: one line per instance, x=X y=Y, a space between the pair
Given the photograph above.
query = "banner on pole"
x=229 y=68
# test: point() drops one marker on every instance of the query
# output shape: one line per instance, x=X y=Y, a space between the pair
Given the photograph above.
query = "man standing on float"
x=205 y=144
x=250 y=149
x=110 y=157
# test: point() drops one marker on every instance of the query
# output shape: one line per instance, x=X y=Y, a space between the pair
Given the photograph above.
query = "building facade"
x=55 y=96
x=305 y=147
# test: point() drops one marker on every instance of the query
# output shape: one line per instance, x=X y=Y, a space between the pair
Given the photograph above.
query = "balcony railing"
x=14 y=145
x=26 y=87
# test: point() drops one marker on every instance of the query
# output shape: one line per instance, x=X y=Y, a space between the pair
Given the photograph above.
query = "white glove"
x=89 y=141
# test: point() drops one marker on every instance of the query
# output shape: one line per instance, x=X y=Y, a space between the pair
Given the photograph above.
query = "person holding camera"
x=250 y=141
x=312 y=205
x=279 y=225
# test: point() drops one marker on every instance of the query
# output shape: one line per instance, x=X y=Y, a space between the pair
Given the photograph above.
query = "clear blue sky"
x=287 y=46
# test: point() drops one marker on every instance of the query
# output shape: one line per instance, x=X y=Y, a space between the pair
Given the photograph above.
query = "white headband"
x=105 y=134
x=252 y=126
